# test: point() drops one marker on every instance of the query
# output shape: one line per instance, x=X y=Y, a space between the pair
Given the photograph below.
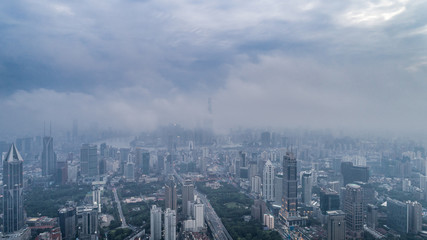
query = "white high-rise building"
x=155 y=223
x=199 y=215
x=268 y=181
x=269 y=221
x=170 y=224
x=307 y=185
x=256 y=184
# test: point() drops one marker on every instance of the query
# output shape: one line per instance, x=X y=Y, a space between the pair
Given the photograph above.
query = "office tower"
x=329 y=200
x=372 y=216
x=129 y=173
x=199 y=215
x=160 y=163
x=87 y=218
x=265 y=139
x=415 y=213
x=187 y=195
x=103 y=149
x=336 y=225
x=269 y=221
x=146 y=163
x=307 y=185
x=24 y=145
x=61 y=175
x=155 y=223
x=253 y=169
x=278 y=189
x=48 y=157
x=102 y=166
x=353 y=208
x=268 y=182
x=290 y=185
x=75 y=130
x=352 y=173
x=256 y=184
x=67 y=223
x=124 y=157
x=170 y=224
x=170 y=194
x=258 y=210
x=13 y=184
x=89 y=160
x=169 y=164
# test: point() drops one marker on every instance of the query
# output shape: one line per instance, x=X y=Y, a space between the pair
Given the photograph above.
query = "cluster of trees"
x=119 y=234
x=231 y=206
x=39 y=201
x=133 y=189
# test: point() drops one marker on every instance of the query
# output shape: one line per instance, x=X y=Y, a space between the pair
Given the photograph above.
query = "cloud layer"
x=134 y=65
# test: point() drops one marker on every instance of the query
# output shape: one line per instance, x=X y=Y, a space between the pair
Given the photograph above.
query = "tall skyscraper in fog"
x=89 y=160
x=170 y=224
x=13 y=184
x=307 y=185
x=290 y=185
x=187 y=195
x=353 y=208
x=170 y=194
x=75 y=130
x=268 y=181
x=155 y=223
x=48 y=157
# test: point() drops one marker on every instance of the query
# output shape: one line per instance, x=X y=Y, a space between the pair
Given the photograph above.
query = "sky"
x=135 y=65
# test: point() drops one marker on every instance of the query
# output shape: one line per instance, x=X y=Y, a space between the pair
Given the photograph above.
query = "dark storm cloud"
x=137 y=64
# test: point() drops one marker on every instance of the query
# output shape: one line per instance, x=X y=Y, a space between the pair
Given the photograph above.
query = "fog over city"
x=135 y=65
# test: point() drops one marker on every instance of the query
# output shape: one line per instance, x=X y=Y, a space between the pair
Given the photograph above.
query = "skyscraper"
x=352 y=173
x=329 y=200
x=187 y=195
x=289 y=212
x=170 y=224
x=336 y=225
x=13 y=184
x=67 y=222
x=48 y=157
x=89 y=160
x=353 y=208
x=199 y=215
x=146 y=163
x=268 y=181
x=170 y=194
x=88 y=221
x=155 y=223
x=307 y=185
x=278 y=189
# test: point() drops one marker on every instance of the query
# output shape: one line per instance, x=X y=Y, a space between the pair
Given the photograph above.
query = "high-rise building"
x=353 y=208
x=371 y=216
x=187 y=195
x=146 y=163
x=268 y=181
x=307 y=185
x=155 y=223
x=258 y=210
x=67 y=223
x=129 y=172
x=199 y=215
x=124 y=157
x=256 y=184
x=353 y=174
x=336 y=225
x=13 y=184
x=329 y=200
x=265 y=139
x=48 y=157
x=289 y=212
x=170 y=224
x=170 y=194
x=89 y=160
x=87 y=219
x=278 y=189
x=269 y=221
x=404 y=217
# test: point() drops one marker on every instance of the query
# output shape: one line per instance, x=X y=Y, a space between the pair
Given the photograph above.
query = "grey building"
x=13 y=184
x=67 y=223
x=353 y=208
x=187 y=195
x=48 y=157
x=89 y=160
x=155 y=223
x=336 y=225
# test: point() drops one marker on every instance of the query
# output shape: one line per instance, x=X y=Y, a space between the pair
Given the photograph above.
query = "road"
x=119 y=207
x=219 y=232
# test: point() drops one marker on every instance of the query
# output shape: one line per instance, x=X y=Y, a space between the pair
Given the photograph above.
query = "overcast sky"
x=269 y=64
